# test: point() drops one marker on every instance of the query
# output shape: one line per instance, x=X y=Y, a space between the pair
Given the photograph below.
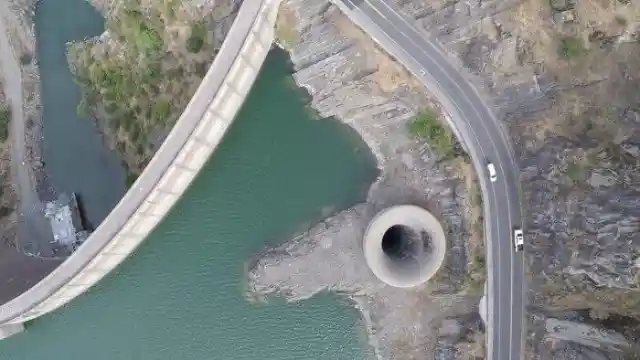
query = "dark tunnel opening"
x=398 y=242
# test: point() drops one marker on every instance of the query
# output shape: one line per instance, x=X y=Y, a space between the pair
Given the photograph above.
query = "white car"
x=518 y=239
x=493 y=176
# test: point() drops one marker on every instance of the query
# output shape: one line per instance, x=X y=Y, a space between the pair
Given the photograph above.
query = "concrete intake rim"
x=404 y=245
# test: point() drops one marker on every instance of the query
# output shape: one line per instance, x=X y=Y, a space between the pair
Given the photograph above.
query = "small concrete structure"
x=10 y=329
x=66 y=224
x=404 y=245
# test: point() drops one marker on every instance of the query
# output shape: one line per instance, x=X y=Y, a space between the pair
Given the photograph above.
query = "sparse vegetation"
x=574 y=171
x=426 y=125
x=285 y=31
x=5 y=211
x=561 y=5
x=472 y=345
x=132 y=27
x=476 y=274
x=26 y=58
x=286 y=37
x=195 y=42
x=571 y=48
x=5 y=119
x=621 y=20
x=476 y=261
x=131 y=178
x=121 y=88
x=83 y=108
x=141 y=79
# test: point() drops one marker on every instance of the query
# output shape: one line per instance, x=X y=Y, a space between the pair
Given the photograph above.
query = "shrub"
x=25 y=59
x=160 y=111
x=5 y=211
x=135 y=132
x=571 y=48
x=133 y=28
x=621 y=20
x=574 y=171
x=5 y=120
x=130 y=179
x=83 y=108
x=195 y=42
x=427 y=126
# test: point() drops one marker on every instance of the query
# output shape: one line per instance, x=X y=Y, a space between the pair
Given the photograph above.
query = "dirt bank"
x=22 y=225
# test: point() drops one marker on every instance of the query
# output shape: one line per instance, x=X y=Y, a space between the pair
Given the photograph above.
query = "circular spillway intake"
x=404 y=245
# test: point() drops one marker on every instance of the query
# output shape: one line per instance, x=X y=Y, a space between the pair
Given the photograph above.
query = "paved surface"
x=410 y=272
x=485 y=140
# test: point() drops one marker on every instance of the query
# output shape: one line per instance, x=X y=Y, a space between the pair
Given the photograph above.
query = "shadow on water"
x=86 y=224
x=76 y=159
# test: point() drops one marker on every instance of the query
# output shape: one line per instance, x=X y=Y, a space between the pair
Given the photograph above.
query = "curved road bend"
x=485 y=139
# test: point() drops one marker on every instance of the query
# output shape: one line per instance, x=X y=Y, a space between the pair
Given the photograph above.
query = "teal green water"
x=180 y=296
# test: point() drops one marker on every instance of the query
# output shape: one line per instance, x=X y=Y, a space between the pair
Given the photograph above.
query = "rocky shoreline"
x=349 y=79
x=568 y=103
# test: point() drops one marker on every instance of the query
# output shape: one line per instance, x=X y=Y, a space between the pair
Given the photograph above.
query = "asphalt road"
x=486 y=140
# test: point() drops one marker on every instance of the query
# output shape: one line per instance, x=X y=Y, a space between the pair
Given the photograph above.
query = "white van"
x=518 y=239
x=493 y=176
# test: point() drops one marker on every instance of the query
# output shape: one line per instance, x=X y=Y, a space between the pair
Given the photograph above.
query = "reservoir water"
x=180 y=296
x=75 y=158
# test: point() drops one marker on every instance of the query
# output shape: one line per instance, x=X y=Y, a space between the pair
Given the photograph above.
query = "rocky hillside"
x=139 y=75
x=563 y=77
